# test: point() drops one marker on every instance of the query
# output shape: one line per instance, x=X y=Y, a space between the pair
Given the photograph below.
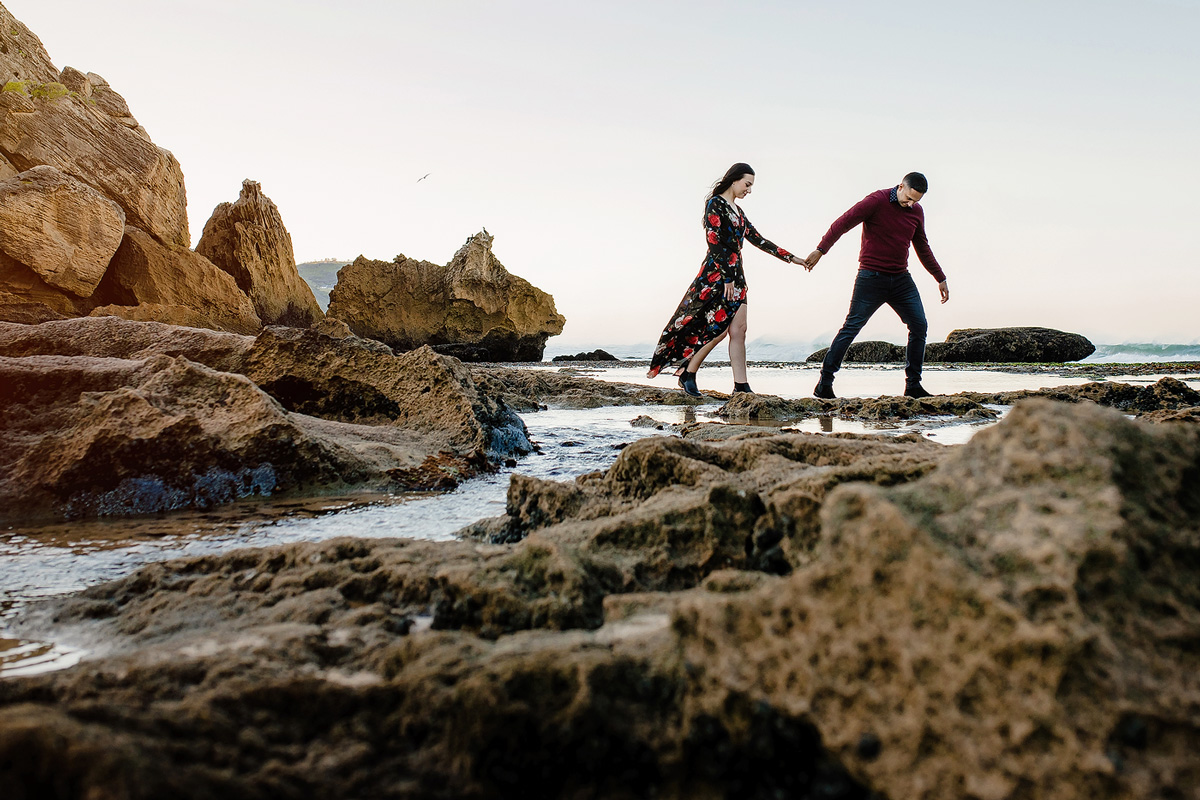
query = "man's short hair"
x=916 y=181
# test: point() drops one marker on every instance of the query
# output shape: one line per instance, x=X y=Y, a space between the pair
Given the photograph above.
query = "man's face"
x=907 y=196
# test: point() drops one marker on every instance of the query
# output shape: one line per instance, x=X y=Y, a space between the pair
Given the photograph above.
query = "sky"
x=1059 y=140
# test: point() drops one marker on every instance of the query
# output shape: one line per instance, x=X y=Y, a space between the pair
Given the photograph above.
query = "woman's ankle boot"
x=742 y=387
x=687 y=382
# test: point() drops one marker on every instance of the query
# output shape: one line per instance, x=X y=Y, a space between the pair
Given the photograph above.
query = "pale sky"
x=1061 y=141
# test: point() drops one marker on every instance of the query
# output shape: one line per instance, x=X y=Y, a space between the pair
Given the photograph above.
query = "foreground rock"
x=247 y=239
x=1012 y=618
x=107 y=417
x=472 y=308
x=981 y=345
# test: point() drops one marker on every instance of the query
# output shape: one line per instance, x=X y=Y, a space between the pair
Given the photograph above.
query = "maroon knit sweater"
x=888 y=227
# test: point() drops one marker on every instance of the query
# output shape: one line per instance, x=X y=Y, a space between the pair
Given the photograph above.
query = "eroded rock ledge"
x=1009 y=618
x=104 y=416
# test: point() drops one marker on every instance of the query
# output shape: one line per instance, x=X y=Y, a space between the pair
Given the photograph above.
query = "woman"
x=715 y=304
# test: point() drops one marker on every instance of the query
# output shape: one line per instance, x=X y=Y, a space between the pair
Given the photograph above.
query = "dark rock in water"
x=866 y=353
x=1010 y=345
x=595 y=355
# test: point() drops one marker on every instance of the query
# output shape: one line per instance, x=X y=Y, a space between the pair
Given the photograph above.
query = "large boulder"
x=247 y=239
x=472 y=308
x=60 y=228
x=173 y=284
x=1010 y=345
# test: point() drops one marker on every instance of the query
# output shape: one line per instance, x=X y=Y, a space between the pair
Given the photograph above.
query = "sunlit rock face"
x=471 y=308
x=60 y=228
x=248 y=240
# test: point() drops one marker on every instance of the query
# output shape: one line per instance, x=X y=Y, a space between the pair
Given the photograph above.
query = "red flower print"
x=706 y=293
x=685 y=320
x=713 y=277
x=714 y=220
x=784 y=253
x=742 y=296
x=732 y=259
x=720 y=315
x=694 y=340
x=687 y=353
x=712 y=237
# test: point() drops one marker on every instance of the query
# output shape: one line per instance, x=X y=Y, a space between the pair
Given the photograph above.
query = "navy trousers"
x=871 y=290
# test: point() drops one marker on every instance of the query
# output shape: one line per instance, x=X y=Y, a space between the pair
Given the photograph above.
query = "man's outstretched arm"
x=857 y=214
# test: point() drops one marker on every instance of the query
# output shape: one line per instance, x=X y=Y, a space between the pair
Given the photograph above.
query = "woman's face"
x=742 y=186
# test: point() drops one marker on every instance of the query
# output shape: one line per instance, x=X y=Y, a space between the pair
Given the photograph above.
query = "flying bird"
x=423 y=177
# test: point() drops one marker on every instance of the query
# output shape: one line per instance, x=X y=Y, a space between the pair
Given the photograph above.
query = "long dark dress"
x=704 y=314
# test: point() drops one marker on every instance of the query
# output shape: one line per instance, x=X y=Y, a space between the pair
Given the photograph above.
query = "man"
x=891 y=220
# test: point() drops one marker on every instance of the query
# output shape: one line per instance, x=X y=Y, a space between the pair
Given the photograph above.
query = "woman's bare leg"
x=737 y=345
x=698 y=357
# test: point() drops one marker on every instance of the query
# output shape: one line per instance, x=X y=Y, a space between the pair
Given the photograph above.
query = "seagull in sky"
x=423 y=177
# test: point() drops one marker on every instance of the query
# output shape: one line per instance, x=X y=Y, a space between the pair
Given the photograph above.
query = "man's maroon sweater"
x=888 y=228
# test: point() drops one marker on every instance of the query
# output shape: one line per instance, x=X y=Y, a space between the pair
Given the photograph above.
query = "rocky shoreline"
x=832 y=616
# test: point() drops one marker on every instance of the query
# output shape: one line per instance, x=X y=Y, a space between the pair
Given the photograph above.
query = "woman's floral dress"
x=704 y=313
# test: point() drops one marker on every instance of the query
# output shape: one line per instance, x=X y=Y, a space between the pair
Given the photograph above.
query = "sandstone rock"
x=358 y=380
x=22 y=54
x=86 y=436
x=866 y=352
x=1020 y=345
x=24 y=295
x=595 y=355
x=75 y=132
x=62 y=229
x=145 y=272
x=472 y=308
x=247 y=239
x=527 y=390
x=113 y=337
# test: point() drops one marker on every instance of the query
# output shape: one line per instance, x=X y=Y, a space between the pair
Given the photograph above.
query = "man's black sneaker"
x=743 y=388
x=687 y=382
x=915 y=390
x=824 y=390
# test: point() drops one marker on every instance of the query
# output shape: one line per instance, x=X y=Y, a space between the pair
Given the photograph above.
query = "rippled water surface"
x=57 y=559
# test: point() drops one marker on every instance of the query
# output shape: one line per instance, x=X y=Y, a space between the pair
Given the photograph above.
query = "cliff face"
x=472 y=308
x=93 y=214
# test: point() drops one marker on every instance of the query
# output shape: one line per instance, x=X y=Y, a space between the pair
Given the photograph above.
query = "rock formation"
x=79 y=125
x=78 y=178
x=1020 y=345
x=595 y=355
x=472 y=308
x=865 y=353
x=773 y=615
x=101 y=416
x=148 y=280
x=980 y=345
x=62 y=229
x=247 y=239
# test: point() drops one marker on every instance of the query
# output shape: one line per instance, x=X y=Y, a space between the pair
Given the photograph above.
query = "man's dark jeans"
x=871 y=290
